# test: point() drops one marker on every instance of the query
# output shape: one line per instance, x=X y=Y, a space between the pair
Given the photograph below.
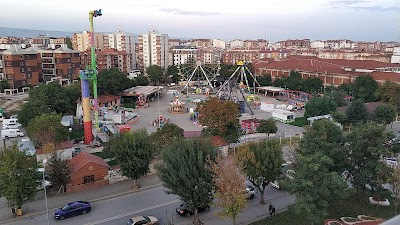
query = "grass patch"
x=299 y=122
x=354 y=205
x=102 y=155
x=76 y=134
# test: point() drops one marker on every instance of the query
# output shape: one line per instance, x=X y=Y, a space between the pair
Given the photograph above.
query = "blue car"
x=72 y=209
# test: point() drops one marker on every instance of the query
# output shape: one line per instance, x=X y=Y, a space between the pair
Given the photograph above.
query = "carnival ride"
x=232 y=88
x=90 y=74
x=198 y=74
x=177 y=106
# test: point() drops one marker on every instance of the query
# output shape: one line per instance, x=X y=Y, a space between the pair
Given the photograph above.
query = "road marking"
x=132 y=213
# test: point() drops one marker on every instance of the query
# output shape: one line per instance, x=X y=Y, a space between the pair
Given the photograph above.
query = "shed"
x=283 y=115
x=87 y=171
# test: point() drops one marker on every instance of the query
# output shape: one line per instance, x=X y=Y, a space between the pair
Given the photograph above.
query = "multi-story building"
x=295 y=44
x=58 y=41
x=81 y=41
x=41 y=40
x=10 y=40
x=172 y=43
x=122 y=41
x=232 y=56
x=216 y=43
x=210 y=55
x=20 y=67
x=107 y=59
x=260 y=43
x=236 y=44
x=201 y=43
x=153 y=50
x=317 y=44
x=62 y=63
x=181 y=54
x=396 y=55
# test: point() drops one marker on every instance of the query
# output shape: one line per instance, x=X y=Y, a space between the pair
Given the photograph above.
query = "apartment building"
x=81 y=41
x=232 y=56
x=295 y=44
x=260 y=43
x=20 y=67
x=217 y=43
x=172 y=43
x=236 y=44
x=107 y=59
x=181 y=54
x=201 y=43
x=61 y=62
x=121 y=42
x=153 y=50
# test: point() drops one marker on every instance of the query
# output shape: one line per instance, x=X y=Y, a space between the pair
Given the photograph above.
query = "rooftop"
x=84 y=158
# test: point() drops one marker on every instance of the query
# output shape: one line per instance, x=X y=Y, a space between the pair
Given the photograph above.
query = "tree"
x=326 y=138
x=68 y=42
x=364 y=87
x=133 y=152
x=59 y=171
x=166 y=135
x=185 y=172
x=319 y=106
x=156 y=74
x=357 y=112
x=172 y=72
x=312 y=85
x=389 y=92
x=339 y=117
x=294 y=81
x=49 y=98
x=394 y=182
x=4 y=85
x=142 y=80
x=264 y=80
x=279 y=82
x=267 y=126
x=229 y=182
x=385 y=114
x=337 y=96
x=47 y=128
x=365 y=149
x=113 y=82
x=220 y=117
x=18 y=176
x=261 y=162
x=315 y=186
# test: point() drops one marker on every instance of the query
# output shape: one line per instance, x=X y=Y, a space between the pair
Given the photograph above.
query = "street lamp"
x=45 y=190
x=159 y=111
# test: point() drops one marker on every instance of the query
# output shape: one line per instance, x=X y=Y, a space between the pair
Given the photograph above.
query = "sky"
x=363 y=20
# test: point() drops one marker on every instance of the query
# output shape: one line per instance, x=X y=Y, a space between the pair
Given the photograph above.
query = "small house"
x=64 y=151
x=87 y=171
x=283 y=115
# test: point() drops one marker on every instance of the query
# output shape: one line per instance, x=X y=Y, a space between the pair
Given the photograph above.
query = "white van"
x=11 y=126
x=11 y=133
x=7 y=121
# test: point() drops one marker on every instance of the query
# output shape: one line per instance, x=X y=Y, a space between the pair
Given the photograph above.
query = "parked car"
x=11 y=126
x=278 y=183
x=11 y=133
x=143 y=220
x=72 y=209
x=250 y=192
x=183 y=210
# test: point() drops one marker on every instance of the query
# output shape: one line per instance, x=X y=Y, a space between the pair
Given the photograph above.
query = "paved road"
x=152 y=202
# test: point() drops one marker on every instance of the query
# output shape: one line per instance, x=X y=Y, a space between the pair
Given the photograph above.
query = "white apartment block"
x=216 y=43
x=317 y=44
x=236 y=44
x=153 y=49
x=81 y=41
x=396 y=55
x=181 y=54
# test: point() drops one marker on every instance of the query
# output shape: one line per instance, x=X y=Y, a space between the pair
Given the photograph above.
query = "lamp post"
x=45 y=191
x=159 y=111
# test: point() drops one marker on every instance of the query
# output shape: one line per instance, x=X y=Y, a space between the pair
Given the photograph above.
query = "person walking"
x=270 y=209
x=273 y=210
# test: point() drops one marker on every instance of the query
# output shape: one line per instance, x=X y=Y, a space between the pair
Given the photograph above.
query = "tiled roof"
x=107 y=98
x=84 y=158
x=386 y=76
x=371 y=106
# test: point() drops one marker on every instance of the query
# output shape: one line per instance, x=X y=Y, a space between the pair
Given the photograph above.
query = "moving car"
x=183 y=210
x=72 y=209
x=142 y=220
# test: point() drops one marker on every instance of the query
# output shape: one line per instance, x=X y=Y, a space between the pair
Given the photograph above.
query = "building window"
x=29 y=81
x=29 y=76
x=8 y=63
x=22 y=70
x=29 y=69
x=22 y=56
x=88 y=179
x=21 y=63
x=27 y=57
x=23 y=82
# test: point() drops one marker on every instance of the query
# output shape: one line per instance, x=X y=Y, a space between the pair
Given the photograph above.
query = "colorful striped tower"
x=87 y=121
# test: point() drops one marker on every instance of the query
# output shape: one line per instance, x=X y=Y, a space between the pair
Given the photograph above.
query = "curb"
x=30 y=215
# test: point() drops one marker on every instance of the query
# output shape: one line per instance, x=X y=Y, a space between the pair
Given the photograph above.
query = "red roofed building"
x=87 y=171
x=109 y=100
x=330 y=71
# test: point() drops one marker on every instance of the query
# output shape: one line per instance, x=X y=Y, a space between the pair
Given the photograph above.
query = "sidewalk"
x=252 y=213
x=38 y=206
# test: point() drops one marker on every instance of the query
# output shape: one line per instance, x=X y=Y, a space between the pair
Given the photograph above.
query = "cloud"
x=345 y=3
x=376 y=8
x=359 y=5
x=188 y=12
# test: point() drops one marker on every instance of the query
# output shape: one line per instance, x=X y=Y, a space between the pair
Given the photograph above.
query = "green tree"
x=319 y=106
x=357 y=112
x=185 y=172
x=133 y=152
x=226 y=70
x=172 y=72
x=156 y=74
x=30 y=110
x=385 y=114
x=294 y=81
x=220 y=117
x=364 y=87
x=326 y=138
x=142 y=80
x=261 y=162
x=365 y=149
x=315 y=186
x=389 y=92
x=264 y=80
x=312 y=85
x=68 y=42
x=18 y=176
x=113 y=82
x=59 y=172
x=279 y=82
x=339 y=117
x=394 y=182
x=337 y=96
x=229 y=182
x=47 y=128
x=4 y=85
x=267 y=126
x=166 y=135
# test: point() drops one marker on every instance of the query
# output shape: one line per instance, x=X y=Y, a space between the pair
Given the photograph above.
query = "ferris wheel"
x=199 y=74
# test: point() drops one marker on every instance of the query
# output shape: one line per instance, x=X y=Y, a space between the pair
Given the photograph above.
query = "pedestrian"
x=270 y=209
x=273 y=210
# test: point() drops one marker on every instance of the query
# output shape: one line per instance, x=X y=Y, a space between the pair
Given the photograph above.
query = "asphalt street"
x=149 y=202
